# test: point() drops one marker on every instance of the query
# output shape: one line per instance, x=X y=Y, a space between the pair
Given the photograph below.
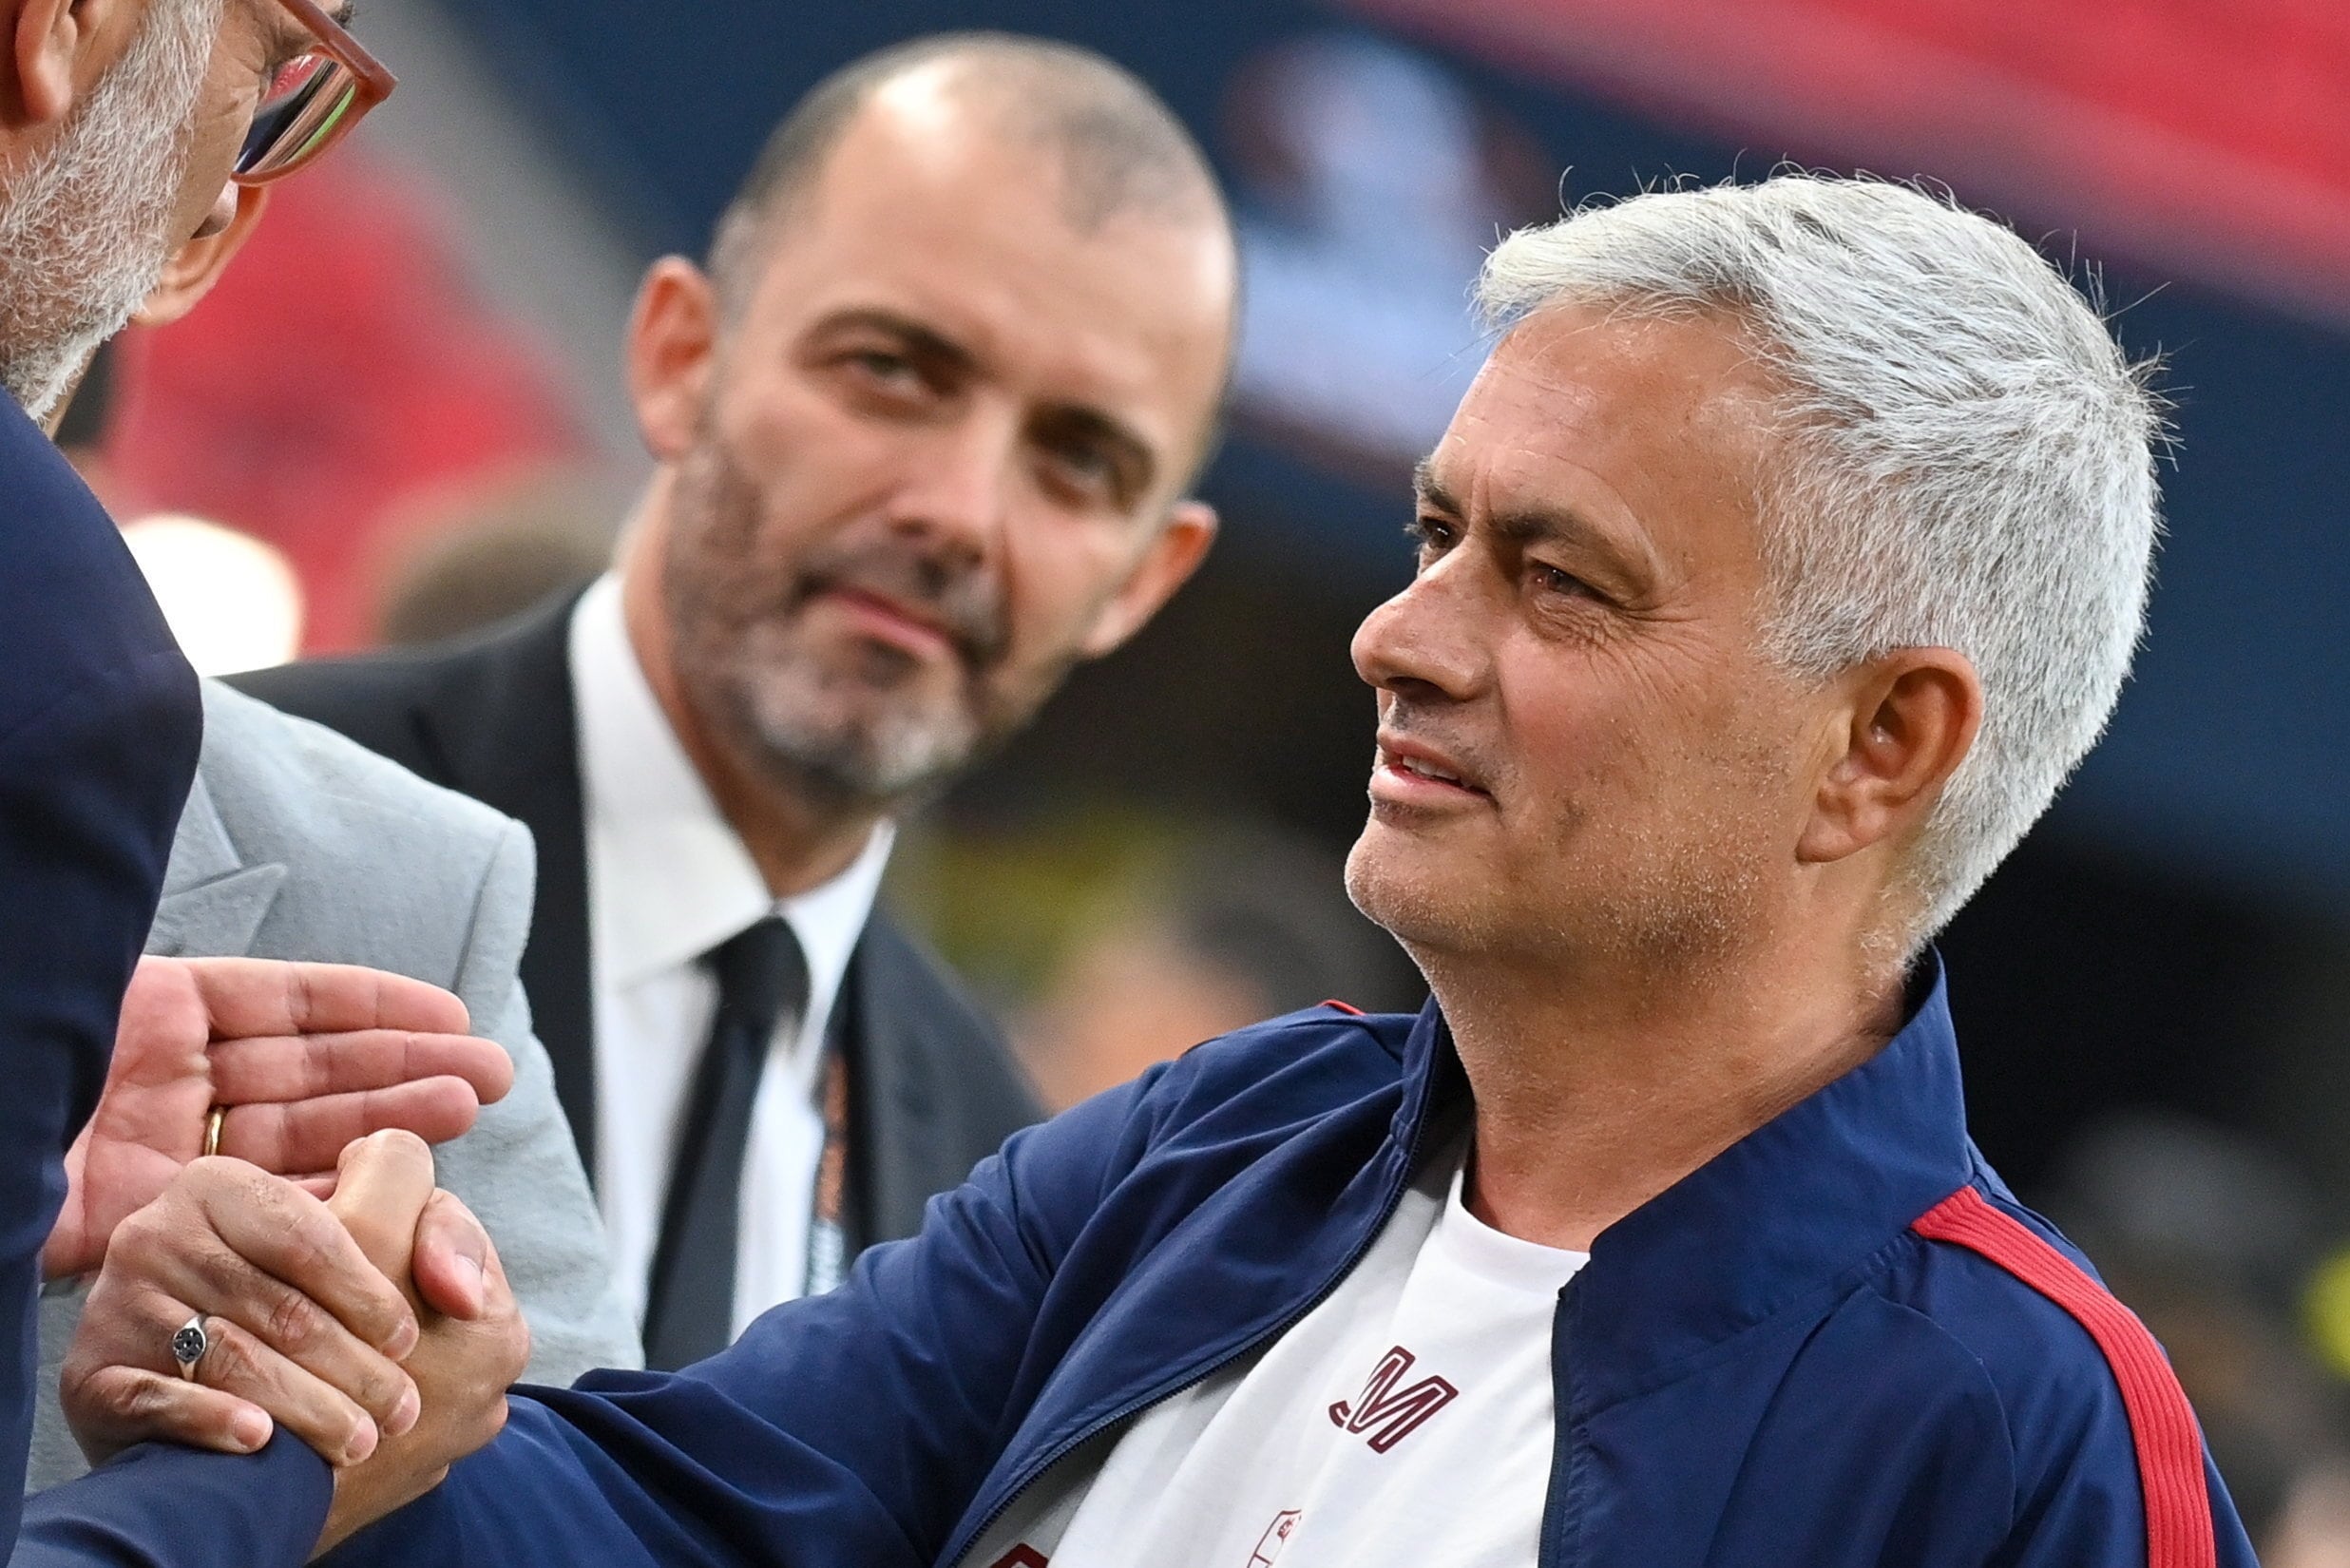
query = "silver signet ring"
x=189 y=1345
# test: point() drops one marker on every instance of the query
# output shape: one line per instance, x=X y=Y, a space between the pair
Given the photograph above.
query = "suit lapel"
x=213 y=903
x=900 y=1154
x=504 y=729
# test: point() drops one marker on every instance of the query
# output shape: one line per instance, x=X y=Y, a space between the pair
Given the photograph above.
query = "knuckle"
x=312 y=1243
x=231 y=1361
x=292 y=1323
x=138 y=1235
x=378 y=1388
x=137 y=1403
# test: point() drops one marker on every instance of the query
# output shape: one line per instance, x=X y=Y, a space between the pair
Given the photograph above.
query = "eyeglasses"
x=313 y=101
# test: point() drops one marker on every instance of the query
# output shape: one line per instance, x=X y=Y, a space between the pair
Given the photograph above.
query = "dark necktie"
x=690 y=1305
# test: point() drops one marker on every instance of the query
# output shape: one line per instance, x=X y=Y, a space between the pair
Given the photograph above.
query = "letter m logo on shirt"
x=1389 y=1410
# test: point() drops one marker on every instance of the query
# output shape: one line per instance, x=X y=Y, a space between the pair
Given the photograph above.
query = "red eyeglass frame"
x=371 y=83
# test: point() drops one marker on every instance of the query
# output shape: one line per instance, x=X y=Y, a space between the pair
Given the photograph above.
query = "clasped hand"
x=341 y=1295
x=305 y=1324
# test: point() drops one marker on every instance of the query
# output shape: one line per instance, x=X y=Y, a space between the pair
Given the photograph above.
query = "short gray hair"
x=1968 y=458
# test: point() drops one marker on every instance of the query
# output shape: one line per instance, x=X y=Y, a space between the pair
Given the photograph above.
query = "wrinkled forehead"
x=1661 y=421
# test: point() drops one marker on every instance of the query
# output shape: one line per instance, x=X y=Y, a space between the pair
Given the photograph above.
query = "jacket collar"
x=1785 y=1214
x=213 y=903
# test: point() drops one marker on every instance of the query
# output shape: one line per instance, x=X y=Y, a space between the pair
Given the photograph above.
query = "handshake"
x=255 y=1194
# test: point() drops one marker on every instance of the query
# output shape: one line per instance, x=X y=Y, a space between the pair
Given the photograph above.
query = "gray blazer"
x=299 y=844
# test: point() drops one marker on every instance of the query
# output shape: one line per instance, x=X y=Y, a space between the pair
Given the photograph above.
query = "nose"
x=956 y=493
x=1424 y=642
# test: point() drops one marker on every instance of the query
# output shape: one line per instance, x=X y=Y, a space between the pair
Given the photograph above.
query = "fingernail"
x=249 y=1430
x=477 y=1284
x=404 y=1414
x=403 y=1341
x=361 y=1444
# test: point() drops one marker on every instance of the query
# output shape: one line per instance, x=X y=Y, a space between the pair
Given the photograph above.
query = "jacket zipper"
x=1549 y=1553
x=1063 y=1449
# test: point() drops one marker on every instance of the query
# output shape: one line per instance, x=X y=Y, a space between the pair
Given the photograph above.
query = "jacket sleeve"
x=518 y=1169
x=91 y=786
x=850 y=1427
x=159 y=1506
x=2089 y=1514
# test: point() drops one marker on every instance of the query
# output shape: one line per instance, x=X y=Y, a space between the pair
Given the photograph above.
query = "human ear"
x=44 y=38
x=1913 y=719
x=196 y=265
x=1175 y=552
x=673 y=337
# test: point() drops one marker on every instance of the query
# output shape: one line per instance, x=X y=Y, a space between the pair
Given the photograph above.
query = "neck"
x=1596 y=1091
x=796 y=841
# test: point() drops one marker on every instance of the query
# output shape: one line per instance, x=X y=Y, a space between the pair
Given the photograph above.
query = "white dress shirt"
x=667 y=880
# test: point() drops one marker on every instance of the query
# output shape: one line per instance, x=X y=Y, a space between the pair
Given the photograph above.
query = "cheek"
x=224 y=114
x=807 y=466
x=1058 y=576
x=1572 y=743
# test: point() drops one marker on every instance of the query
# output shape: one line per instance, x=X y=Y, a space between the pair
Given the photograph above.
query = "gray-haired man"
x=1786 y=555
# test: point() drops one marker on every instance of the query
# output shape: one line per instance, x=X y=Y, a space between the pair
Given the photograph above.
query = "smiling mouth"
x=1426 y=769
x=1410 y=781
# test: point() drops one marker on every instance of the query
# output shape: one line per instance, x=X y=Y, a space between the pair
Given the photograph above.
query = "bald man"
x=925 y=428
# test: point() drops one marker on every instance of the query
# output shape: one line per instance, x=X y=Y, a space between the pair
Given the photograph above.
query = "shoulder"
x=373 y=852
x=372 y=697
x=79 y=629
x=1258 y=1087
x=275 y=773
x=2057 y=1388
x=380 y=698
x=1318 y=1055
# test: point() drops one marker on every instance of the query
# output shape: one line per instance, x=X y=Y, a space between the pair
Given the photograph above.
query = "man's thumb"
x=386 y=1180
x=453 y=1259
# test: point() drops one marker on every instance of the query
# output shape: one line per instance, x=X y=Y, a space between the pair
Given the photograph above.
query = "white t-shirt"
x=1407 y=1420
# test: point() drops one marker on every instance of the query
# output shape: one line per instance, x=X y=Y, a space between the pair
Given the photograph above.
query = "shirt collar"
x=668 y=877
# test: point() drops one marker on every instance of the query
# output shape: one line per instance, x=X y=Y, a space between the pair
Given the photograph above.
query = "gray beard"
x=84 y=228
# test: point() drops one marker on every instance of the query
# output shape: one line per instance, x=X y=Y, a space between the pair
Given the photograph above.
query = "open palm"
x=304 y=1057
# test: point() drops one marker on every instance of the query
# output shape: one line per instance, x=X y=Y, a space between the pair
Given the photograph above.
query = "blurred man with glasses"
x=137 y=139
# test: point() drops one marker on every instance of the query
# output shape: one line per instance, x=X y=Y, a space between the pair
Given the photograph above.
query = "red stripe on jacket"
x=2162 y=1425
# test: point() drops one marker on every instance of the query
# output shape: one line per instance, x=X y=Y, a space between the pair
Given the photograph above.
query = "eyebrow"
x=1538 y=525
x=929 y=343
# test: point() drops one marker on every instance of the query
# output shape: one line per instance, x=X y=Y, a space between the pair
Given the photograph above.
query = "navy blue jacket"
x=99 y=723
x=1766 y=1365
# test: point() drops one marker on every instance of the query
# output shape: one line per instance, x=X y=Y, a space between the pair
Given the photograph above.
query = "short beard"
x=83 y=229
x=727 y=608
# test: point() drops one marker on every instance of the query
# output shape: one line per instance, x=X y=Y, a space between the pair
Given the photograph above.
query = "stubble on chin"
x=852 y=728
x=1682 y=899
